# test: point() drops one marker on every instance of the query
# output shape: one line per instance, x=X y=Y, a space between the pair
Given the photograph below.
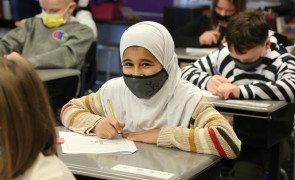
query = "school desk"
x=52 y=74
x=259 y=124
x=148 y=162
x=189 y=55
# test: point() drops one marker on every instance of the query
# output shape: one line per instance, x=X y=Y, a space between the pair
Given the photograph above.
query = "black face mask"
x=145 y=86
x=221 y=18
x=248 y=66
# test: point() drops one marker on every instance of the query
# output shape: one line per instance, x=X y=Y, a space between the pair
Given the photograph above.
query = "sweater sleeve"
x=201 y=70
x=283 y=88
x=83 y=114
x=13 y=41
x=210 y=133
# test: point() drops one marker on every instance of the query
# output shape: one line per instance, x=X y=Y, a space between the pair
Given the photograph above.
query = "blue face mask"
x=146 y=86
x=248 y=66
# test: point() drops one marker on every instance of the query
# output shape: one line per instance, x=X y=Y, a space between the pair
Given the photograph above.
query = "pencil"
x=216 y=71
x=217 y=27
x=111 y=109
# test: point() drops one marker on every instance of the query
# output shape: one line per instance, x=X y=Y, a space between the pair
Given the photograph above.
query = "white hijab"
x=172 y=105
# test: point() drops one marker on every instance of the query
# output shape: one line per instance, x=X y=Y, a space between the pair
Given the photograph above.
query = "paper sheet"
x=75 y=143
x=208 y=94
x=199 y=51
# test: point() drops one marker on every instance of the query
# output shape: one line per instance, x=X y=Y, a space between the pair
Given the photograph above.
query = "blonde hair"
x=27 y=123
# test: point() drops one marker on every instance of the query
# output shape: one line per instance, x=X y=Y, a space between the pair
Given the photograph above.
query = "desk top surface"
x=192 y=54
x=248 y=105
x=155 y=160
x=51 y=74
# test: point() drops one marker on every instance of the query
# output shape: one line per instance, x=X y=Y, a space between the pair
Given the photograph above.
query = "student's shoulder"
x=45 y=165
x=201 y=20
x=114 y=83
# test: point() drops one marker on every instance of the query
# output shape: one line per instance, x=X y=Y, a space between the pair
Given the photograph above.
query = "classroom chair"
x=88 y=71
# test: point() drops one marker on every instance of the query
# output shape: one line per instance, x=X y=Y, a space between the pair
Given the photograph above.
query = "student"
x=208 y=31
x=27 y=126
x=84 y=15
x=53 y=40
x=151 y=103
x=253 y=64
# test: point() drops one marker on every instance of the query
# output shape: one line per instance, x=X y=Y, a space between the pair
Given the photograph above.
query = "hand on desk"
x=13 y=55
x=227 y=91
x=149 y=136
x=215 y=81
x=108 y=127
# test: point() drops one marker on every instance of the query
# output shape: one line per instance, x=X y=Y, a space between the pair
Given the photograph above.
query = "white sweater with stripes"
x=273 y=79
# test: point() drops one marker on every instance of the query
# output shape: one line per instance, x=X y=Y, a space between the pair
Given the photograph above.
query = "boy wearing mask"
x=55 y=39
x=253 y=64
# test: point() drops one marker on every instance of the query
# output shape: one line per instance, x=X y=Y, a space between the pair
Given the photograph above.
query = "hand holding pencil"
x=110 y=126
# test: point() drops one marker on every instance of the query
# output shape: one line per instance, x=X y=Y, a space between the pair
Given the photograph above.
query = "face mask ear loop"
x=65 y=19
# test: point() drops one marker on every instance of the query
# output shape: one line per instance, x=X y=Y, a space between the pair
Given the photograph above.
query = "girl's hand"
x=149 y=136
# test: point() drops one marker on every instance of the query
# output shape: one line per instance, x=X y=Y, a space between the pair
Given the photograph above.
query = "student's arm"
x=200 y=72
x=283 y=88
x=13 y=41
x=188 y=36
x=210 y=133
x=83 y=114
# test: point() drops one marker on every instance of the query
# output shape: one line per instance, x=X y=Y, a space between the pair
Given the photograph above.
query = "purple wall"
x=149 y=6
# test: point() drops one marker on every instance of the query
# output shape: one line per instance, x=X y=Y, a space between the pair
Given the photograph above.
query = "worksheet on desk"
x=75 y=143
x=199 y=51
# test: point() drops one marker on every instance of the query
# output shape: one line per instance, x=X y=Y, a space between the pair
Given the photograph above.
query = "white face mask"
x=54 y=20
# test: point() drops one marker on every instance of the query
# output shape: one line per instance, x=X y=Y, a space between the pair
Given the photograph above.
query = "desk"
x=52 y=74
x=62 y=85
x=184 y=165
x=260 y=126
x=184 y=58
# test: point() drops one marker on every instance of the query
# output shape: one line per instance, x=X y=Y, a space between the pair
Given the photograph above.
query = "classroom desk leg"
x=274 y=166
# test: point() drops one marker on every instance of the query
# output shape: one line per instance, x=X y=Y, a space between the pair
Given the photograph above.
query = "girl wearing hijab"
x=151 y=103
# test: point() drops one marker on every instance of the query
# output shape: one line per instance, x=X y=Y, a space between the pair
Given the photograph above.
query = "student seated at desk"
x=27 y=126
x=52 y=40
x=204 y=30
x=253 y=64
x=151 y=103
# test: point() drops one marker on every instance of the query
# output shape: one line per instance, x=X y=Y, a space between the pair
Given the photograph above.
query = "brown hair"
x=246 y=30
x=240 y=5
x=27 y=124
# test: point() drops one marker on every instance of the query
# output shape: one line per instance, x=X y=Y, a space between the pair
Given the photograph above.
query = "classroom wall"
x=151 y=10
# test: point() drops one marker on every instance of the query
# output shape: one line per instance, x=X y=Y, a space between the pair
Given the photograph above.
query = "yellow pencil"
x=111 y=109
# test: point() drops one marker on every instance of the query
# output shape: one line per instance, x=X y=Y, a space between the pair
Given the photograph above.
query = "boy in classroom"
x=55 y=39
x=151 y=103
x=27 y=126
x=255 y=63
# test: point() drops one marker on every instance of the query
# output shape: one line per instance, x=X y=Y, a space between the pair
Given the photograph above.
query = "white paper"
x=199 y=51
x=208 y=94
x=143 y=171
x=75 y=143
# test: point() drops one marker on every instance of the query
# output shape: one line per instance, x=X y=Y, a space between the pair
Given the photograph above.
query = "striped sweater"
x=273 y=79
x=208 y=132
